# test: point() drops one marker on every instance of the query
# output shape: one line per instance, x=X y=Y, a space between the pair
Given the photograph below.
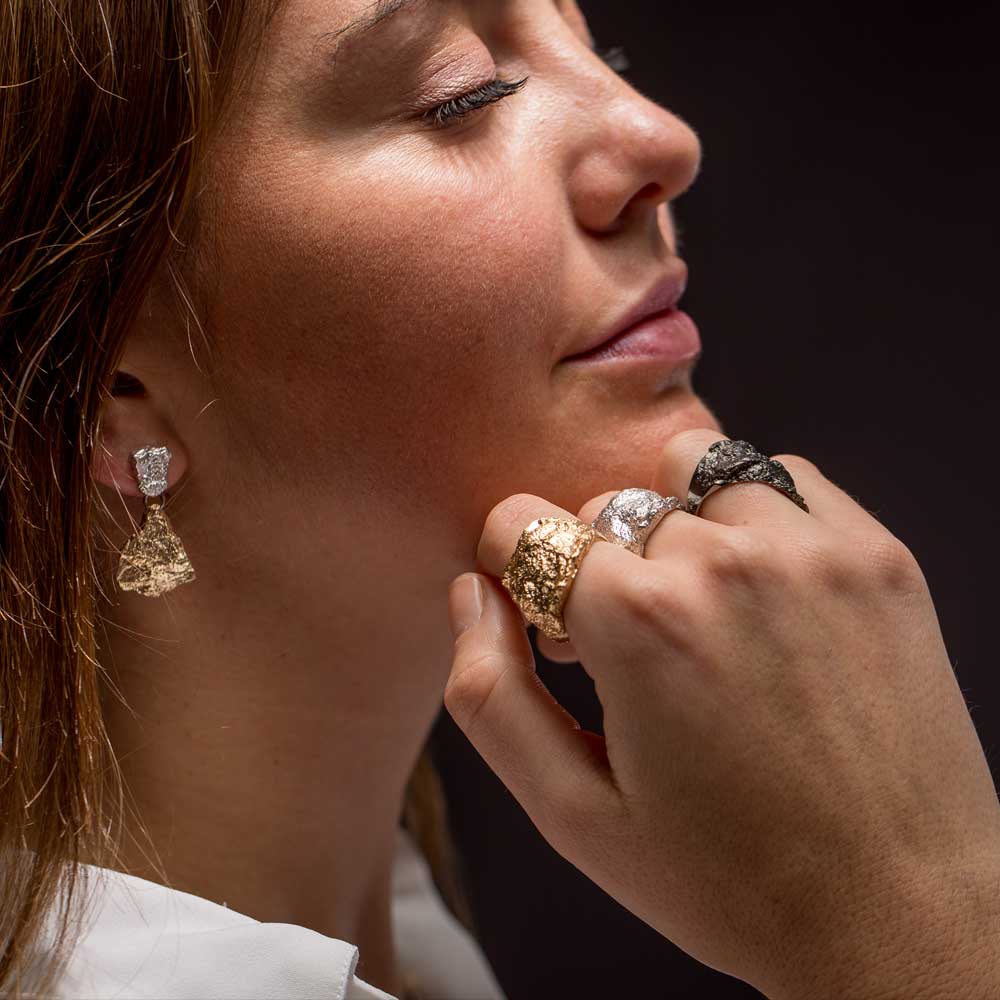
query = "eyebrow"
x=378 y=13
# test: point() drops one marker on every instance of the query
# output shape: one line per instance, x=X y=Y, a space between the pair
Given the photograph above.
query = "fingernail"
x=465 y=603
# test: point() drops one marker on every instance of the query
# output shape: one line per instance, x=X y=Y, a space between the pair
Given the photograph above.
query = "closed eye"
x=444 y=114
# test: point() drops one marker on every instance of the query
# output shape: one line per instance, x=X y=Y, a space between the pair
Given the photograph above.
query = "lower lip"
x=668 y=337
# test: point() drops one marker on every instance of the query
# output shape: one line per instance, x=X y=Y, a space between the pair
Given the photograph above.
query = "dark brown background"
x=842 y=251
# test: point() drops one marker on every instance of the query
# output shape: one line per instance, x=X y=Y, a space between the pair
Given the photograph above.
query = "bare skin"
x=389 y=304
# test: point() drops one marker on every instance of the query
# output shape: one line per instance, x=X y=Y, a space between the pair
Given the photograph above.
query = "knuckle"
x=686 y=447
x=593 y=507
x=469 y=692
x=650 y=602
x=798 y=463
x=891 y=565
x=825 y=562
x=739 y=556
x=513 y=510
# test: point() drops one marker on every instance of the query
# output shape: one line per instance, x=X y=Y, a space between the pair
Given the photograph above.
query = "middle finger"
x=735 y=504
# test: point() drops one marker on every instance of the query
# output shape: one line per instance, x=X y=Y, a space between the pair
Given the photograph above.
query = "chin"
x=618 y=450
x=691 y=412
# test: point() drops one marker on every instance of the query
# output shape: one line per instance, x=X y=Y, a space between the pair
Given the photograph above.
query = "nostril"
x=651 y=190
x=648 y=195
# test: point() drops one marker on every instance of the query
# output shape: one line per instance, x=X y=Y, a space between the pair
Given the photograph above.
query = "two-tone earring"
x=153 y=560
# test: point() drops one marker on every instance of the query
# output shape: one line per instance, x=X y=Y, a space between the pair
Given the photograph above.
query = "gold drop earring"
x=153 y=561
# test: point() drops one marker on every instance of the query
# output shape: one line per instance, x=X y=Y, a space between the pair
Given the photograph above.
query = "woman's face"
x=392 y=299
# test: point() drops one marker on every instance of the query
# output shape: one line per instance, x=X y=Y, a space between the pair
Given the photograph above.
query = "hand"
x=789 y=786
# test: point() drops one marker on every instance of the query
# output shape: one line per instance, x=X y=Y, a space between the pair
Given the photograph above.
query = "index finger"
x=604 y=570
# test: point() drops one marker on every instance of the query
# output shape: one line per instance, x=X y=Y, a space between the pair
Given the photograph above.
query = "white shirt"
x=145 y=940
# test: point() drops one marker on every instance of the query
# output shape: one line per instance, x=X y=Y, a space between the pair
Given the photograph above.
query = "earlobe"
x=128 y=422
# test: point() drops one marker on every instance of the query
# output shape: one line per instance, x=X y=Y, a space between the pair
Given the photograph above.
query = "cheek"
x=393 y=317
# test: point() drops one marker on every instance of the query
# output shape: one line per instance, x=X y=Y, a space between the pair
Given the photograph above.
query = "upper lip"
x=664 y=295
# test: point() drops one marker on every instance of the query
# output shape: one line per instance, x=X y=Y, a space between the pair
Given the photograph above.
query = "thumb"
x=558 y=772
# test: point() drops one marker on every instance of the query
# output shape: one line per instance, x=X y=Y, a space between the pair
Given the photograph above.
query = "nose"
x=628 y=155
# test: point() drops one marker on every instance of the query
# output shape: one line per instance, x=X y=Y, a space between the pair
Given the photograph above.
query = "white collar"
x=146 y=940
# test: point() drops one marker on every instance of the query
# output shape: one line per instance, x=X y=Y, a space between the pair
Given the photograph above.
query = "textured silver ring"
x=728 y=462
x=629 y=518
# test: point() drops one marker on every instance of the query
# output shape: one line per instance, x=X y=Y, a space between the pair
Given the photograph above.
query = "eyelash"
x=442 y=115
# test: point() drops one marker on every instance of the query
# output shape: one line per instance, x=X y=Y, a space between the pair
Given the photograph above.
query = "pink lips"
x=654 y=328
x=669 y=337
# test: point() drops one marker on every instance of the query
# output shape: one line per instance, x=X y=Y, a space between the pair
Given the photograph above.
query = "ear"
x=134 y=416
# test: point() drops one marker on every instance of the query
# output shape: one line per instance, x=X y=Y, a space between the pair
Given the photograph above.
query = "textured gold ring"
x=542 y=569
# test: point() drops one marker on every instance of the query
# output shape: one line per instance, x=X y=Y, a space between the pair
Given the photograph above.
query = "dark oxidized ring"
x=728 y=462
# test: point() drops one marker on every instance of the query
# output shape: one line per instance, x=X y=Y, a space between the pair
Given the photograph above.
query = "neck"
x=268 y=759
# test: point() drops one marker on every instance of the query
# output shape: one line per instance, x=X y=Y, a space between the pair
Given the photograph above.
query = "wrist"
x=928 y=933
